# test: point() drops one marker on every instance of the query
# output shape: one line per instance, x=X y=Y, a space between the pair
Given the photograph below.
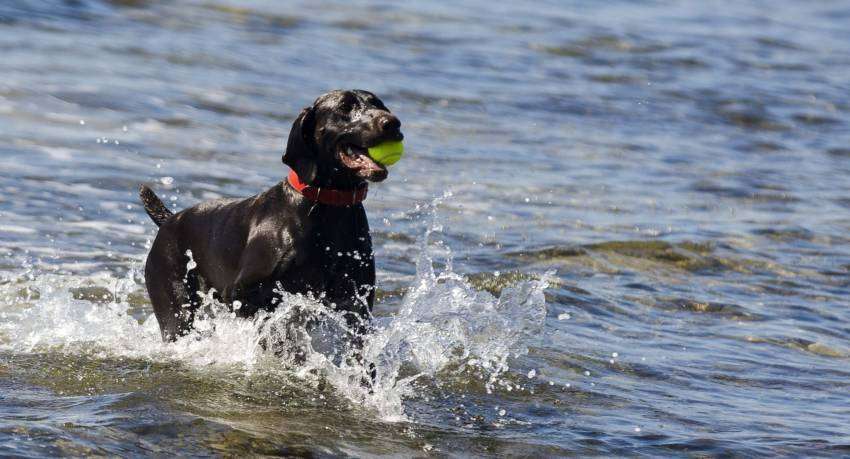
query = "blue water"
x=680 y=168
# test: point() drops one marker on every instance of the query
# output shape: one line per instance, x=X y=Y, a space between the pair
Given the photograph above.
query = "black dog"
x=308 y=233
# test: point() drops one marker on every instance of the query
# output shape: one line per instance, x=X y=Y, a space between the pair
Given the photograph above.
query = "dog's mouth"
x=356 y=159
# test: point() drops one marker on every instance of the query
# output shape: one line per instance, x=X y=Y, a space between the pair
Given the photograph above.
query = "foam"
x=442 y=323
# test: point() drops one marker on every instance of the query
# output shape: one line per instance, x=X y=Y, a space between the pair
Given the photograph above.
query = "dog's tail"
x=154 y=206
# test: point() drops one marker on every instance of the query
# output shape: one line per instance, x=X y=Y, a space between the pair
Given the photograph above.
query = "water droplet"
x=166 y=180
x=402 y=338
x=564 y=316
x=532 y=373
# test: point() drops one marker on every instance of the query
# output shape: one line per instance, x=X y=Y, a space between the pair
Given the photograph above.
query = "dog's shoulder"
x=277 y=209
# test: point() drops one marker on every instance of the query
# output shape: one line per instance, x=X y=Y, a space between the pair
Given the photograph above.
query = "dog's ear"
x=300 y=154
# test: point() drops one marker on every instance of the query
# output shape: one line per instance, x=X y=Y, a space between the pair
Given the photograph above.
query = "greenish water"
x=619 y=229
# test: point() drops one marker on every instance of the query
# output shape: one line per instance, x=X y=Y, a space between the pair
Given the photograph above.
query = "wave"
x=444 y=325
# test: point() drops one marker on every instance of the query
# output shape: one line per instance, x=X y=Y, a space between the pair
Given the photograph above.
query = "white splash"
x=443 y=323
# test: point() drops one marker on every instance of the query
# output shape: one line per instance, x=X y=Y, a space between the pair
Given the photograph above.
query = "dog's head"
x=329 y=141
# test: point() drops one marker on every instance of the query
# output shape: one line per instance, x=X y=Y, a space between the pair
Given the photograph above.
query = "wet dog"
x=307 y=234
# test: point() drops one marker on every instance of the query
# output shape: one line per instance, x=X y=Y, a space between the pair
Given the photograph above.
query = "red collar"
x=328 y=196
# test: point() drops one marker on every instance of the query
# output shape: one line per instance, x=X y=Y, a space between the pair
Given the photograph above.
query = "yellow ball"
x=387 y=153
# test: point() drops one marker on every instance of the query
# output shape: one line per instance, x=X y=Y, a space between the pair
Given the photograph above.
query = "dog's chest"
x=336 y=261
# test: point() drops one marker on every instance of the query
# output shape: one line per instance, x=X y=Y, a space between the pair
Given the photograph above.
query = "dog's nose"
x=390 y=123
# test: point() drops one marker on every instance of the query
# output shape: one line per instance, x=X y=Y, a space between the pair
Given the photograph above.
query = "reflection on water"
x=675 y=174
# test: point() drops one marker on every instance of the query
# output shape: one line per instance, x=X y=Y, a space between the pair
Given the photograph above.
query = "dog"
x=307 y=234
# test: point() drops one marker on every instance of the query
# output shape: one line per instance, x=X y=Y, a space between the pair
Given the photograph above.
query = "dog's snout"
x=390 y=127
x=390 y=123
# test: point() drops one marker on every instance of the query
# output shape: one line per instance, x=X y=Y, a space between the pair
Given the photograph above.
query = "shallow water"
x=619 y=229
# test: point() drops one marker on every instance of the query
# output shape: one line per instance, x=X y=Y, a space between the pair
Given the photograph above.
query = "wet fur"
x=245 y=248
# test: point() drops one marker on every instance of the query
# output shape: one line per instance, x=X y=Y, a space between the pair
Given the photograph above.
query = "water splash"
x=443 y=324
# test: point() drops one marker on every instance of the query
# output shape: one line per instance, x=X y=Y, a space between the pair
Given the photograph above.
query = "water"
x=620 y=228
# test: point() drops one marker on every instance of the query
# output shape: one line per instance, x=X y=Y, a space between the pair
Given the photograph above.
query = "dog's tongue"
x=361 y=163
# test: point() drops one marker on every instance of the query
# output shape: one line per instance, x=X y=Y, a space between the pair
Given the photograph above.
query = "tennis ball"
x=387 y=153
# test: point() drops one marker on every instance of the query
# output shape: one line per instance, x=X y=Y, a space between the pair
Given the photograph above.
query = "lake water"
x=620 y=228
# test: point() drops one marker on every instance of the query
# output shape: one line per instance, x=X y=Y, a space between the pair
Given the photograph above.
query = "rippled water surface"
x=619 y=228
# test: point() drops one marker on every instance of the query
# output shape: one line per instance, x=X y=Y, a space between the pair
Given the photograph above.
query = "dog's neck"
x=328 y=195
